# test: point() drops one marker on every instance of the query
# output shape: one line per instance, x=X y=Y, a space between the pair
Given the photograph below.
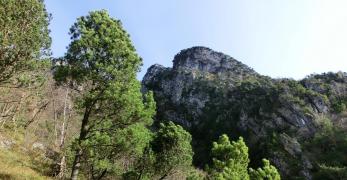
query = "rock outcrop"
x=210 y=93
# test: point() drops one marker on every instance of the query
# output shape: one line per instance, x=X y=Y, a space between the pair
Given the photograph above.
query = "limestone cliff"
x=210 y=93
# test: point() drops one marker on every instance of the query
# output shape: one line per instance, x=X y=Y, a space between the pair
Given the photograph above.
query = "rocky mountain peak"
x=204 y=59
x=210 y=93
x=152 y=74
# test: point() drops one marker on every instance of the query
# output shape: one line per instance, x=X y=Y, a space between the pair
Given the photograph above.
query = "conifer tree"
x=101 y=66
x=230 y=159
x=230 y=162
x=268 y=172
x=172 y=149
x=169 y=152
x=24 y=35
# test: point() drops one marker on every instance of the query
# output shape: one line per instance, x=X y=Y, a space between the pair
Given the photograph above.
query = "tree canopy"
x=112 y=135
x=230 y=162
x=172 y=149
x=101 y=65
x=24 y=35
x=230 y=159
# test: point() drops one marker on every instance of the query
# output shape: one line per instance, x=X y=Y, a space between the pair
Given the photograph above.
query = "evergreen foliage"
x=230 y=159
x=172 y=148
x=24 y=35
x=168 y=154
x=331 y=144
x=230 y=162
x=268 y=172
x=101 y=65
x=116 y=138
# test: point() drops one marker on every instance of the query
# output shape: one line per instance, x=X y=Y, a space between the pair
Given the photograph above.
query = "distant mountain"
x=287 y=121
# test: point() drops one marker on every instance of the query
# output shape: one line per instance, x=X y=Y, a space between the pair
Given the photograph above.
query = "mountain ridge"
x=210 y=93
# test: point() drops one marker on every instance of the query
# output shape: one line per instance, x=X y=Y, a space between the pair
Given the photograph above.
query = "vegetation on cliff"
x=86 y=116
x=283 y=120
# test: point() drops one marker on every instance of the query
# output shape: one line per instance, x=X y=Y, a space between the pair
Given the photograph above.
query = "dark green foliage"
x=115 y=141
x=330 y=85
x=338 y=106
x=101 y=65
x=255 y=107
x=225 y=108
x=24 y=35
x=196 y=175
x=329 y=77
x=144 y=167
x=169 y=154
x=329 y=145
x=100 y=52
x=110 y=151
x=331 y=173
x=172 y=149
x=255 y=94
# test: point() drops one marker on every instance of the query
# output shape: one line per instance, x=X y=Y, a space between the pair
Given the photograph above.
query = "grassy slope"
x=18 y=162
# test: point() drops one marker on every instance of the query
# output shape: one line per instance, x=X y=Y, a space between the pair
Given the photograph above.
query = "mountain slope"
x=210 y=93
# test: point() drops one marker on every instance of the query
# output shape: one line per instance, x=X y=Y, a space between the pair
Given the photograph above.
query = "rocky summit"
x=292 y=123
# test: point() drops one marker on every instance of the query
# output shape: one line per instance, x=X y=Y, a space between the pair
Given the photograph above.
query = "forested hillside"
x=85 y=115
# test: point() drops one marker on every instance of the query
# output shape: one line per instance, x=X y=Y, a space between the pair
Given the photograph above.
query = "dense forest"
x=85 y=115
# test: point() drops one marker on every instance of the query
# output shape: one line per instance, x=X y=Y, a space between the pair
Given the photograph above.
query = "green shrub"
x=331 y=173
x=338 y=106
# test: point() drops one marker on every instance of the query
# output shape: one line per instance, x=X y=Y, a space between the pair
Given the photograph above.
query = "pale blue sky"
x=279 y=38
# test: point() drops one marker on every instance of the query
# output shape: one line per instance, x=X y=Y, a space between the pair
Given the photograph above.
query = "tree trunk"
x=76 y=164
x=36 y=114
x=166 y=174
x=62 y=167
x=102 y=174
x=140 y=175
x=79 y=151
x=163 y=177
x=62 y=138
x=54 y=115
x=62 y=131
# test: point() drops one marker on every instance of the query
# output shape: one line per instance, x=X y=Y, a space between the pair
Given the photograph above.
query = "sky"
x=278 y=38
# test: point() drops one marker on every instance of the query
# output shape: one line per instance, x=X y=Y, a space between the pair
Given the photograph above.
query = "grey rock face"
x=153 y=74
x=176 y=85
x=293 y=148
x=206 y=60
x=210 y=93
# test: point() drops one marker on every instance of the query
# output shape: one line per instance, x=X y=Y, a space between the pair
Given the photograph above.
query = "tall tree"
x=101 y=65
x=24 y=34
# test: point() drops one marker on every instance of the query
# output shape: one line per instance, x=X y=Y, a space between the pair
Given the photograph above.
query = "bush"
x=331 y=172
x=338 y=106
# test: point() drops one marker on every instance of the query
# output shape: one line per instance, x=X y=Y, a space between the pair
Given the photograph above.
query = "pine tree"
x=24 y=35
x=101 y=66
x=268 y=172
x=230 y=160
x=172 y=150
